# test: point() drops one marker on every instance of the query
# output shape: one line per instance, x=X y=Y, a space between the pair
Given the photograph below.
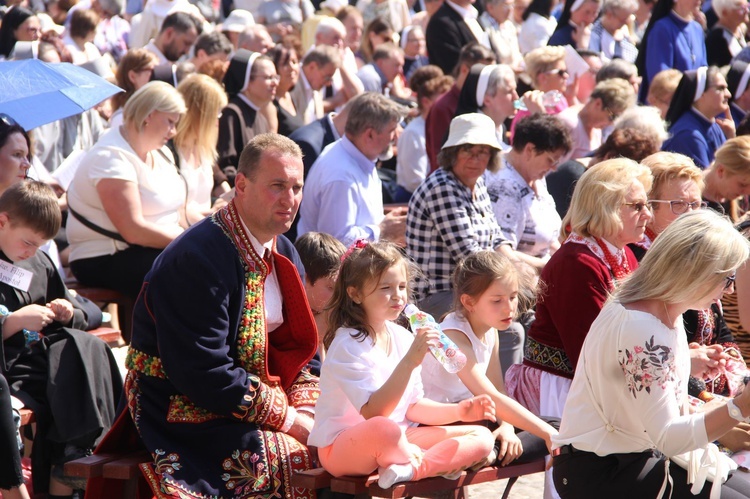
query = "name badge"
x=15 y=276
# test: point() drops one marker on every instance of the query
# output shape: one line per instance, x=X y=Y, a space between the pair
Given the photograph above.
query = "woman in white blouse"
x=127 y=199
x=627 y=415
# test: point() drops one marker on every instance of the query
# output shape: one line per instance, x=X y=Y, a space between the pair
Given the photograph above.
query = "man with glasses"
x=608 y=100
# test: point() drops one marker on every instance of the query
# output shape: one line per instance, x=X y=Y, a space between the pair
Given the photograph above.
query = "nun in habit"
x=696 y=128
x=250 y=83
x=737 y=80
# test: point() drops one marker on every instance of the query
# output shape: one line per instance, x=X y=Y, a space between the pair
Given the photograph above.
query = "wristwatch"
x=735 y=412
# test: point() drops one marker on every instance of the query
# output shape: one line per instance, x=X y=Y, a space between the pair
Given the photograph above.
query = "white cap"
x=474 y=129
x=334 y=5
x=237 y=21
x=47 y=24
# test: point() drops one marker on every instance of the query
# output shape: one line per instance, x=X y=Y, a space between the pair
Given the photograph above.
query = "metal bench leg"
x=511 y=482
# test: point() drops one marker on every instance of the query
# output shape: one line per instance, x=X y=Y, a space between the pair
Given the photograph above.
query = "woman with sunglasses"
x=627 y=417
x=608 y=211
x=697 y=127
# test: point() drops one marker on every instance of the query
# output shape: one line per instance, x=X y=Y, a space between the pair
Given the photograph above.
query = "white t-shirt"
x=442 y=386
x=582 y=143
x=634 y=370
x=161 y=190
x=200 y=183
x=412 y=164
x=352 y=371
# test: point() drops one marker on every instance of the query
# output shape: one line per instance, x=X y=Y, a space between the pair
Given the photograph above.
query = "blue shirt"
x=372 y=78
x=696 y=137
x=343 y=195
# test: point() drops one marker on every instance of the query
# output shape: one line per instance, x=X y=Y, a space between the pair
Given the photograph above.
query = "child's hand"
x=426 y=337
x=477 y=409
x=510 y=446
x=31 y=317
x=62 y=309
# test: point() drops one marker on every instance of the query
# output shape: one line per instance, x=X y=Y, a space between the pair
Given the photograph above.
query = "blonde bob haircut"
x=668 y=166
x=688 y=261
x=734 y=155
x=542 y=59
x=198 y=128
x=600 y=192
x=153 y=96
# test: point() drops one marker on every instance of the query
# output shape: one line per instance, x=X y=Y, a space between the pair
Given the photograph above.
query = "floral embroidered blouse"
x=629 y=393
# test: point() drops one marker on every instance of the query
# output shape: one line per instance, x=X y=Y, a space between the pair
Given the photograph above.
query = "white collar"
x=259 y=248
x=248 y=101
x=335 y=132
x=469 y=12
x=305 y=83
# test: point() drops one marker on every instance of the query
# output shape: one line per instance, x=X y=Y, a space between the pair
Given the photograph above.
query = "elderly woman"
x=523 y=208
x=490 y=90
x=662 y=89
x=250 y=82
x=610 y=34
x=627 y=414
x=450 y=215
x=195 y=142
x=697 y=127
x=727 y=38
x=127 y=198
x=574 y=26
x=608 y=211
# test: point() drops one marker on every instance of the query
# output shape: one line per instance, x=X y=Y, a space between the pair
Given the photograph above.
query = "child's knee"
x=385 y=429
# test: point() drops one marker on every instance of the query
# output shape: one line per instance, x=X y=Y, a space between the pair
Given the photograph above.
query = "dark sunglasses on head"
x=7 y=120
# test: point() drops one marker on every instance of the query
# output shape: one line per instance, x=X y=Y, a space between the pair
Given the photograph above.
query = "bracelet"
x=735 y=412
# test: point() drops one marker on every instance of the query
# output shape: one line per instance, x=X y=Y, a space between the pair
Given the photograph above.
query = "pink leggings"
x=380 y=442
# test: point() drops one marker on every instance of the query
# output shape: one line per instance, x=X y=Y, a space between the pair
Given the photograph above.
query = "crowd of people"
x=555 y=182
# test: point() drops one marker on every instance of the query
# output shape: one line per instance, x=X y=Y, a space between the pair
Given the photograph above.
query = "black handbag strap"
x=91 y=225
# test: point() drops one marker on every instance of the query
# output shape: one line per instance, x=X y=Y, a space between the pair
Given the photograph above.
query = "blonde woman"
x=127 y=199
x=608 y=211
x=729 y=176
x=195 y=141
x=627 y=415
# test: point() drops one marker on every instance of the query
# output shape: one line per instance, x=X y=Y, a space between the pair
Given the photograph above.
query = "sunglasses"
x=562 y=73
x=7 y=120
x=639 y=206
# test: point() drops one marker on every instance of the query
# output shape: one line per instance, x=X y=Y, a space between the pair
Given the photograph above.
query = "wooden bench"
x=436 y=487
x=115 y=466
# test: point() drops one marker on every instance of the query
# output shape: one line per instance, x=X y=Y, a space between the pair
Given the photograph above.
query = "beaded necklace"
x=620 y=267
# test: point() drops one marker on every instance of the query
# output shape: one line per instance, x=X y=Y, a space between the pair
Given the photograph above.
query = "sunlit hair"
x=360 y=271
x=371 y=110
x=135 y=60
x=631 y=143
x=543 y=59
x=663 y=86
x=199 y=129
x=599 y=193
x=32 y=204
x=153 y=96
x=615 y=94
x=668 y=166
x=688 y=261
x=320 y=254
x=734 y=155
x=476 y=273
x=647 y=119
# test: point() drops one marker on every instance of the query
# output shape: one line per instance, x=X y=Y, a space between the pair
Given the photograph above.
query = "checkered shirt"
x=445 y=223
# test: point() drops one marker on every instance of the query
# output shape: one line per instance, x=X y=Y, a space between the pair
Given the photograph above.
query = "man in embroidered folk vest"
x=218 y=384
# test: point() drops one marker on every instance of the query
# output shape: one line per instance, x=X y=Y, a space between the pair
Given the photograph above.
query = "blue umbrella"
x=35 y=92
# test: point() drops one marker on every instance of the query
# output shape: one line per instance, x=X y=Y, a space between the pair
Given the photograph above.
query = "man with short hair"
x=209 y=47
x=343 y=191
x=224 y=402
x=178 y=33
x=255 y=39
x=318 y=68
x=387 y=63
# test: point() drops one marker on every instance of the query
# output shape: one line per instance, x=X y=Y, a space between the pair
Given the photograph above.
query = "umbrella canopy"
x=36 y=92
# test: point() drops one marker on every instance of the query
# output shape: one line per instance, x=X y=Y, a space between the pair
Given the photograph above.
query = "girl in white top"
x=371 y=397
x=626 y=415
x=486 y=287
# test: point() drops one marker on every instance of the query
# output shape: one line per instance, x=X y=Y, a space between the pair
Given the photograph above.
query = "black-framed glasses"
x=679 y=206
x=7 y=120
x=730 y=281
x=639 y=205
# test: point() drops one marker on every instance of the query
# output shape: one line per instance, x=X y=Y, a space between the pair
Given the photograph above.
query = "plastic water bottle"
x=447 y=353
x=549 y=100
